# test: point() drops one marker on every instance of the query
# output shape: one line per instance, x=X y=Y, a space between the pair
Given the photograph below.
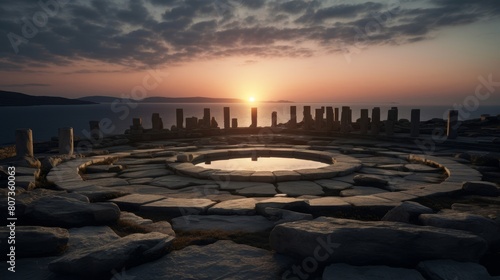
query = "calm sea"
x=45 y=120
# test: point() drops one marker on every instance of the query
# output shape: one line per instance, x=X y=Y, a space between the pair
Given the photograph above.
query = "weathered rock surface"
x=478 y=225
x=178 y=206
x=298 y=188
x=387 y=243
x=32 y=241
x=358 y=190
x=344 y=271
x=263 y=189
x=288 y=203
x=450 y=270
x=481 y=188
x=244 y=206
x=131 y=250
x=222 y=223
x=370 y=180
x=90 y=237
x=215 y=262
x=281 y=216
x=69 y=212
x=407 y=212
x=146 y=224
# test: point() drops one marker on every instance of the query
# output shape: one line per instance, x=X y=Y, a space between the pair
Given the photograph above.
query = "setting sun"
x=251 y=99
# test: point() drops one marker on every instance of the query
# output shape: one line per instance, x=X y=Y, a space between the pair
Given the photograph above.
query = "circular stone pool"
x=267 y=165
x=262 y=164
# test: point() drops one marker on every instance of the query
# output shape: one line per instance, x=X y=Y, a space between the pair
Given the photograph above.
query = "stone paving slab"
x=298 y=188
x=286 y=175
x=262 y=189
x=288 y=203
x=146 y=173
x=370 y=200
x=263 y=176
x=360 y=190
x=244 y=206
x=248 y=224
x=134 y=201
x=333 y=185
x=178 y=206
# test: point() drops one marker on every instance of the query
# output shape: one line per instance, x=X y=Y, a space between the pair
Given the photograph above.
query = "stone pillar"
x=415 y=123
x=157 y=122
x=274 y=119
x=206 y=117
x=179 y=114
x=293 y=117
x=24 y=143
x=191 y=123
x=392 y=117
x=136 y=127
x=329 y=118
x=66 y=143
x=337 y=117
x=234 y=123
x=375 y=121
x=344 y=121
x=95 y=130
x=254 y=117
x=307 y=117
x=452 y=131
x=364 y=122
x=395 y=114
x=227 y=118
x=318 y=117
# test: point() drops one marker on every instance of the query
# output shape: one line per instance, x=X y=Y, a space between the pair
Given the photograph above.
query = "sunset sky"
x=407 y=51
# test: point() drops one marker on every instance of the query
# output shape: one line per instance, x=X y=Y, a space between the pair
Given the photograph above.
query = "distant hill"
x=158 y=99
x=9 y=98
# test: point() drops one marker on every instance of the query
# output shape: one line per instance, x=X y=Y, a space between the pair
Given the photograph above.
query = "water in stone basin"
x=262 y=164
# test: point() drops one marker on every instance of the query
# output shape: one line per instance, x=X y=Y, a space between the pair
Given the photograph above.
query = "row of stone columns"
x=24 y=142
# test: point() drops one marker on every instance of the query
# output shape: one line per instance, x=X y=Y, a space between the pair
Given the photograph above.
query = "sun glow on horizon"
x=251 y=99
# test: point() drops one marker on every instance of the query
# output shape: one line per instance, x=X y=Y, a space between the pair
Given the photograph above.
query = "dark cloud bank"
x=138 y=33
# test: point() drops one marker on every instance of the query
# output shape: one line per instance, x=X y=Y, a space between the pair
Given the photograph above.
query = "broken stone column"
x=318 y=117
x=95 y=130
x=66 y=141
x=179 y=114
x=307 y=118
x=337 y=117
x=24 y=143
x=136 y=127
x=452 y=129
x=227 y=117
x=157 y=122
x=254 y=117
x=206 y=117
x=293 y=117
x=214 y=123
x=375 y=121
x=415 y=123
x=234 y=123
x=392 y=117
x=274 y=119
x=364 y=121
x=344 y=121
x=329 y=118
x=191 y=123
